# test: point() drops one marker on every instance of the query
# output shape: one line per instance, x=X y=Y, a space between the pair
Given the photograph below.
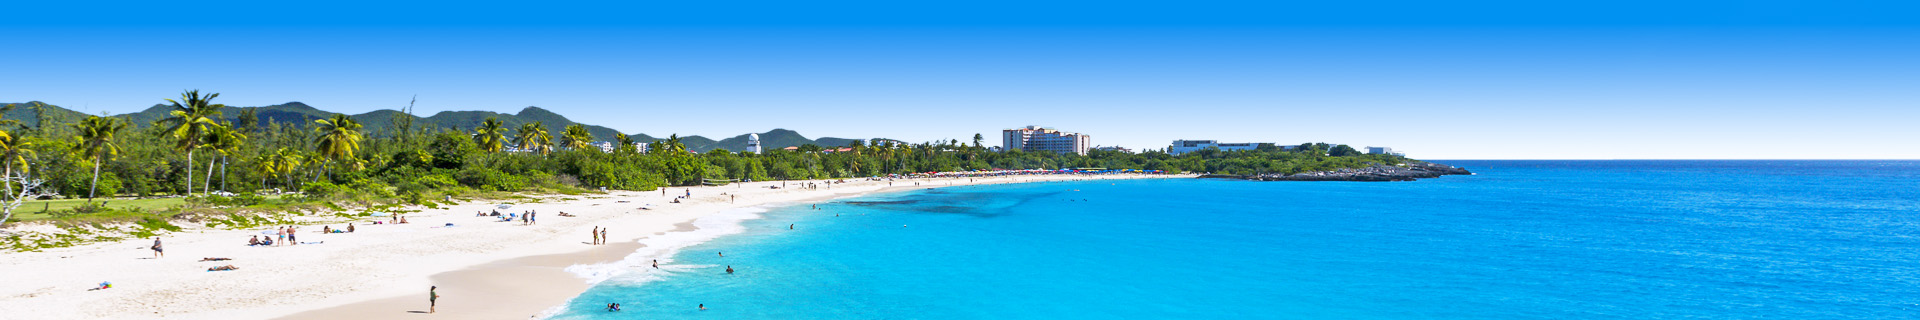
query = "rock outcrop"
x=1407 y=172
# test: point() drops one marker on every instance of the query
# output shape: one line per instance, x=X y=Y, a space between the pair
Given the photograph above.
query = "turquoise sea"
x=1520 y=240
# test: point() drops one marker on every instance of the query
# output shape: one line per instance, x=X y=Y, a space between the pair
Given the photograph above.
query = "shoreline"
x=484 y=269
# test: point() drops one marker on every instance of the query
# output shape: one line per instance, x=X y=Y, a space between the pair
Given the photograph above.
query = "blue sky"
x=1438 y=80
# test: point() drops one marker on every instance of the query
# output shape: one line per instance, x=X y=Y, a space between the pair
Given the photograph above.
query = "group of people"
x=599 y=235
x=330 y=229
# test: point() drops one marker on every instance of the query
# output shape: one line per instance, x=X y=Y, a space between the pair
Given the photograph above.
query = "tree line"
x=197 y=151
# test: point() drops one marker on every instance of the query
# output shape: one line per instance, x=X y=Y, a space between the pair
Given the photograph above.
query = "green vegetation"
x=337 y=165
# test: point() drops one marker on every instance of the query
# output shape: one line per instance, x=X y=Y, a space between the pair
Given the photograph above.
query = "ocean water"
x=1520 y=240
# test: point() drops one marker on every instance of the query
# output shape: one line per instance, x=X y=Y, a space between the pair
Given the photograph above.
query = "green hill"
x=378 y=123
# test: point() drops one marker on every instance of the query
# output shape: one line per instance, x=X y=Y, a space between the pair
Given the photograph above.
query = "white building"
x=1037 y=139
x=753 y=143
x=1383 y=150
x=1185 y=146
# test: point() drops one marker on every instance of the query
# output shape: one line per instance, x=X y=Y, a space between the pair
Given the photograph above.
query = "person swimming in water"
x=656 y=263
x=613 y=306
x=729 y=269
x=703 y=307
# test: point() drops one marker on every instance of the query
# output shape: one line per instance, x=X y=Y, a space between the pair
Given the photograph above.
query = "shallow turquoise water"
x=1523 y=239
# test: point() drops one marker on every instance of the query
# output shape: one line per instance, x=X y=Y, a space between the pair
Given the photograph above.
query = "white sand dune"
x=485 y=269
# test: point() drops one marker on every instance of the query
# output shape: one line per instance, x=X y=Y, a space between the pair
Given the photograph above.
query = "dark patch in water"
x=976 y=204
x=876 y=203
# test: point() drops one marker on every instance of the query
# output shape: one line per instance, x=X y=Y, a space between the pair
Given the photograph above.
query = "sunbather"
x=223 y=268
x=214 y=259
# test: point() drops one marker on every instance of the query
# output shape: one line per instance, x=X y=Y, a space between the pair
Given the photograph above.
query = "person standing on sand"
x=603 y=235
x=433 y=298
x=280 y=236
x=290 y=239
x=157 y=251
x=596 y=234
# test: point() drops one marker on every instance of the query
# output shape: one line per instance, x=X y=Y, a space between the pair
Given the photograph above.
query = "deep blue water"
x=1523 y=239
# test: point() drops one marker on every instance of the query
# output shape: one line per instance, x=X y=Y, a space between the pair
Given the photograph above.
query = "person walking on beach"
x=433 y=298
x=158 y=252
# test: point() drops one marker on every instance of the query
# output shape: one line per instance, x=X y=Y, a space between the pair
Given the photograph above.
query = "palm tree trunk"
x=96 y=182
x=223 y=173
x=9 y=183
x=189 y=171
x=207 y=186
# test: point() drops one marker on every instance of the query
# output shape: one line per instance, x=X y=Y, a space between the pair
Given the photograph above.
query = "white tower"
x=753 y=143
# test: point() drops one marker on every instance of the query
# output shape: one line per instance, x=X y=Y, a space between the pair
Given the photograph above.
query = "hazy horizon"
x=1492 y=80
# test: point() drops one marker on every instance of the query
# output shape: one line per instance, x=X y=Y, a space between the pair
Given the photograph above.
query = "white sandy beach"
x=485 y=269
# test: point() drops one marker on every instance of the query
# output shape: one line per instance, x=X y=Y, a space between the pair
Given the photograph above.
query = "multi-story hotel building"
x=1037 y=139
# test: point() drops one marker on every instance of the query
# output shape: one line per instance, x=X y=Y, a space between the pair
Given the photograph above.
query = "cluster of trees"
x=195 y=151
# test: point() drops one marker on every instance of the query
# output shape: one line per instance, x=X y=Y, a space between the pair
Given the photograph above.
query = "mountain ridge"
x=377 y=123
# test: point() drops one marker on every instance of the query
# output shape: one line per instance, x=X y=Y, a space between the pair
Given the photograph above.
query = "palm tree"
x=673 y=145
x=339 y=138
x=96 y=143
x=189 y=122
x=533 y=137
x=14 y=152
x=576 y=137
x=626 y=143
x=224 y=140
x=491 y=135
x=286 y=161
x=263 y=165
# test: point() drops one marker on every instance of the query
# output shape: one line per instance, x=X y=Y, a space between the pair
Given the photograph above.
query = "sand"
x=485 y=269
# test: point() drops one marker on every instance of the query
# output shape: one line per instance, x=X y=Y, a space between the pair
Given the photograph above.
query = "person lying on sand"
x=214 y=259
x=223 y=268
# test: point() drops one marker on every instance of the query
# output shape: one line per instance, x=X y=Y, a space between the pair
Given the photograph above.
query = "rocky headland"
x=1407 y=172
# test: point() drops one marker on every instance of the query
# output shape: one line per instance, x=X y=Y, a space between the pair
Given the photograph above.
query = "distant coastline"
x=1376 y=173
